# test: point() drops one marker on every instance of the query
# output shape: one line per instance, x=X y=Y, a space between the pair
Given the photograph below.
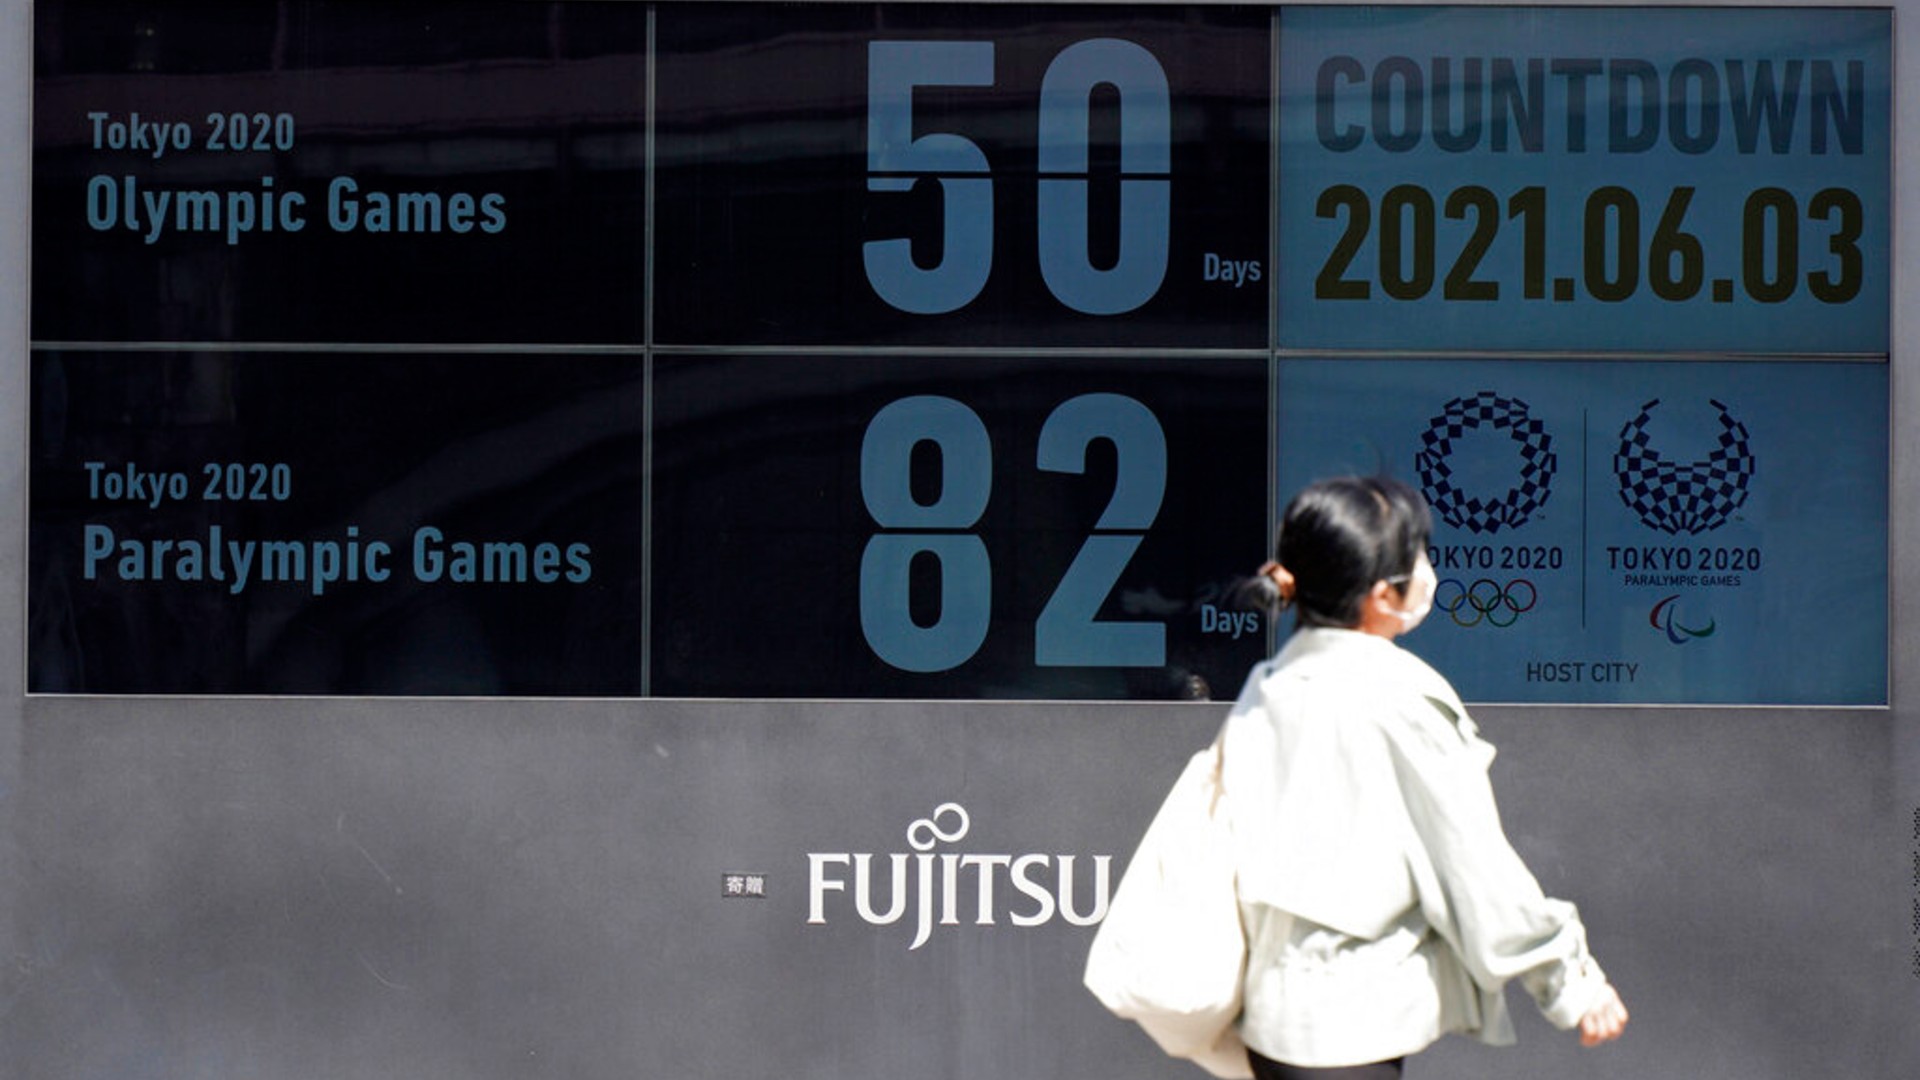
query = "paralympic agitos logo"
x=1665 y=617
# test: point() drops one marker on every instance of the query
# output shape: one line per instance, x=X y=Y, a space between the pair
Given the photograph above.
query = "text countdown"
x=973 y=179
x=956 y=527
x=1464 y=178
x=1067 y=633
x=1062 y=193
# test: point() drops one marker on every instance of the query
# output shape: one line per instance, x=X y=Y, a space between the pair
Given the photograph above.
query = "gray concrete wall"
x=510 y=889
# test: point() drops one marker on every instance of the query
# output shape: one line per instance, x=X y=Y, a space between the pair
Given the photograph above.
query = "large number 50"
x=897 y=159
x=1066 y=632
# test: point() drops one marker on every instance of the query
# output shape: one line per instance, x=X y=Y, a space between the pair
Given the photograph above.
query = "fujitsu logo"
x=965 y=885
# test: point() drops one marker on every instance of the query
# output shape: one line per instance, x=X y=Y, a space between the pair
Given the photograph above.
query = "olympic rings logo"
x=1486 y=600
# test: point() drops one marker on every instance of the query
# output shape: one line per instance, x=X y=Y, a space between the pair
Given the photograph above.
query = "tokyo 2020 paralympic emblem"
x=1691 y=498
x=1477 y=513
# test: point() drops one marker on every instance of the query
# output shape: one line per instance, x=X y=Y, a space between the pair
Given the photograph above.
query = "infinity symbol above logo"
x=932 y=825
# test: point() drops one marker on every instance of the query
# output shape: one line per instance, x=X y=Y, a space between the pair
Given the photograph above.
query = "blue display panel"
x=1609 y=531
x=955 y=527
x=1585 y=178
x=962 y=175
x=244 y=523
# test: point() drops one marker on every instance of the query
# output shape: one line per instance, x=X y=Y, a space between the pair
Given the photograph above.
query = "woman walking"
x=1383 y=904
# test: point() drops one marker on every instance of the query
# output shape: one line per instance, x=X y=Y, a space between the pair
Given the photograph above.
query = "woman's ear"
x=1380 y=611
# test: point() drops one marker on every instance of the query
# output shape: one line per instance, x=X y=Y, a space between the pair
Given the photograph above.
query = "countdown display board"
x=946 y=350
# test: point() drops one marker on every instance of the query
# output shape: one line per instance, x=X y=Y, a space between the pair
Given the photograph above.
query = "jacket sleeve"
x=1474 y=889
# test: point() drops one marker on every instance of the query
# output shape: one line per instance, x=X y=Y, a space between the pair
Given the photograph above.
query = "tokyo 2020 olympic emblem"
x=1691 y=498
x=1479 y=513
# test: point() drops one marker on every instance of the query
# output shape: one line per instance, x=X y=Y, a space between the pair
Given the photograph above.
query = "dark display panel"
x=962 y=175
x=955 y=527
x=911 y=350
x=424 y=171
x=335 y=524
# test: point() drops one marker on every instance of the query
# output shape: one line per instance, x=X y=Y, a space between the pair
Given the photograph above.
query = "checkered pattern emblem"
x=1693 y=498
x=1478 y=512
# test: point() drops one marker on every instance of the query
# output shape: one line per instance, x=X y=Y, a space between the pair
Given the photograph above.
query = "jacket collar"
x=1314 y=650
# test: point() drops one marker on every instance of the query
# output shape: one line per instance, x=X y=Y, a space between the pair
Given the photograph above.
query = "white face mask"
x=1422 y=583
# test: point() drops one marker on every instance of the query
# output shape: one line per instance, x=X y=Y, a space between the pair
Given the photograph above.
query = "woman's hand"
x=1605 y=1021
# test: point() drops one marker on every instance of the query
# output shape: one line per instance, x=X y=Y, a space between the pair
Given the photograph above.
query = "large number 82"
x=1066 y=632
x=896 y=160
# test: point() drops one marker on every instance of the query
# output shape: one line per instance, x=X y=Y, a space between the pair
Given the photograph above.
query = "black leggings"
x=1264 y=1069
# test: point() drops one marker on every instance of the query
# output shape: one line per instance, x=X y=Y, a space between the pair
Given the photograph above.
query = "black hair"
x=1339 y=536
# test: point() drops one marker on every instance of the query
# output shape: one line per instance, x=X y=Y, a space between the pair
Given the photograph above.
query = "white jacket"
x=1383 y=904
